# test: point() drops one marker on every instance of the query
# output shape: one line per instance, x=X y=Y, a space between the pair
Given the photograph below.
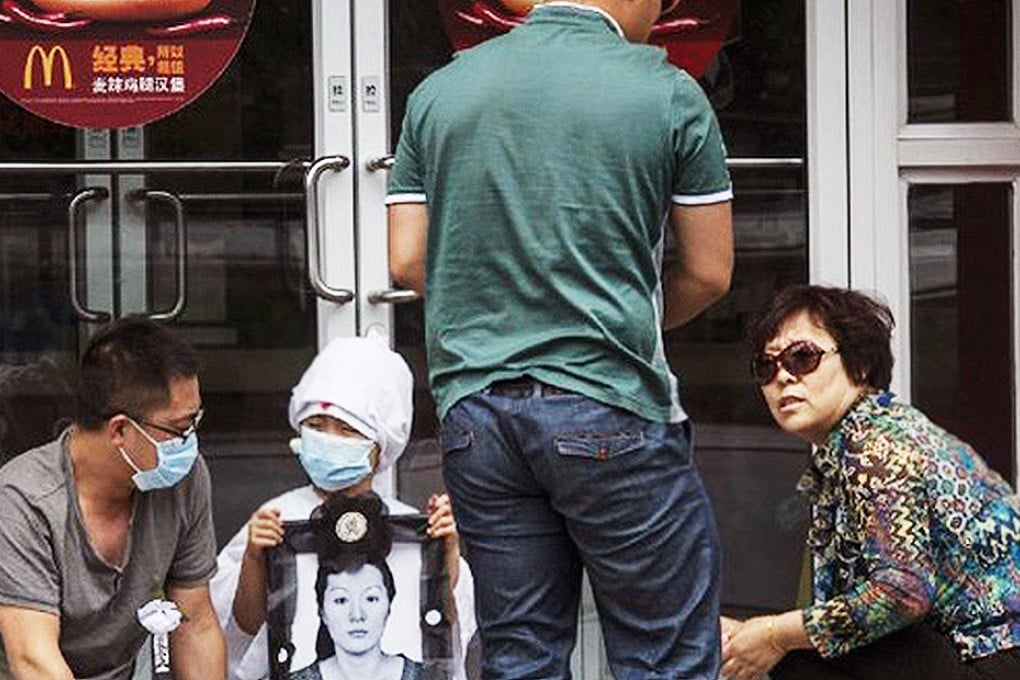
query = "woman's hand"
x=265 y=531
x=750 y=649
x=728 y=627
x=442 y=525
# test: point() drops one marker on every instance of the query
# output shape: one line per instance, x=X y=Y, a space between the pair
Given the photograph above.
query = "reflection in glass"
x=750 y=468
x=249 y=314
x=38 y=338
x=959 y=56
x=961 y=313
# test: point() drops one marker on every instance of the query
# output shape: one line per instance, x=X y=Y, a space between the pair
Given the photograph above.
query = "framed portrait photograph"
x=354 y=592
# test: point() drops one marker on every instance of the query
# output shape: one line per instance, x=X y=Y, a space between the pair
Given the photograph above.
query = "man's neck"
x=104 y=495
x=594 y=6
x=98 y=476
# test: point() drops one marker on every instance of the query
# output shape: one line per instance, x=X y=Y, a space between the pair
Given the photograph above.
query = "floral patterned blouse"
x=909 y=523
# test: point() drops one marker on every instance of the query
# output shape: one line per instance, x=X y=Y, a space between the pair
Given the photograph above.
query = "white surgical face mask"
x=333 y=462
x=174 y=460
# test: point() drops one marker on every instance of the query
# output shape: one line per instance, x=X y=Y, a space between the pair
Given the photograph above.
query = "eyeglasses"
x=799 y=358
x=180 y=434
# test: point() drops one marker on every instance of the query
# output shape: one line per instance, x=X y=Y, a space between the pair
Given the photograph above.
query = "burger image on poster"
x=519 y=6
x=124 y=10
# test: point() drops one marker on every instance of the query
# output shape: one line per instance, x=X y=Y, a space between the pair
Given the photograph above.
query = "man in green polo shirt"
x=536 y=177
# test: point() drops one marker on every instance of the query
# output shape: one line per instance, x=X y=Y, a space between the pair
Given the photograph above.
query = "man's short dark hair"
x=860 y=325
x=127 y=368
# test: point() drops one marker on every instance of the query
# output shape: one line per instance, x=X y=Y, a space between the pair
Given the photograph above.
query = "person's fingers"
x=443 y=532
x=443 y=521
x=440 y=503
x=728 y=626
x=733 y=669
x=265 y=529
x=747 y=673
x=741 y=661
x=264 y=539
x=266 y=516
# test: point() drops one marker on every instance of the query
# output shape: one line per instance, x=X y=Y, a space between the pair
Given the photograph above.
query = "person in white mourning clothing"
x=352 y=409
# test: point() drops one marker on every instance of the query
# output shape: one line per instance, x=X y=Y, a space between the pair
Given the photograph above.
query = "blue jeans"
x=545 y=483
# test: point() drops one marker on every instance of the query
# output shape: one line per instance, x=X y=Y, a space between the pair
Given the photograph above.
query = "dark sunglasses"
x=799 y=358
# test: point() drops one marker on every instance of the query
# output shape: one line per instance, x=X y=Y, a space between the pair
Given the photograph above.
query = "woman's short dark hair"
x=337 y=564
x=860 y=325
x=127 y=368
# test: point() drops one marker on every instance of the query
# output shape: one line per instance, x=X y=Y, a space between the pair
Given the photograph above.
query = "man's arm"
x=408 y=233
x=197 y=648
x=701 y=273
x=31 y=640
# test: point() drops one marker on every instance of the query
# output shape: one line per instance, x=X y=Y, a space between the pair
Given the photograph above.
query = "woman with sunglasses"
x=915 y=541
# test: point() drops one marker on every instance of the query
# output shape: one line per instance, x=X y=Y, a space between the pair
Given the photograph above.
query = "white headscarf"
x=364 y=383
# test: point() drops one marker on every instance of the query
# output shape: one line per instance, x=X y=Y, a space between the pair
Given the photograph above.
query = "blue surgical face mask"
x=333 y=462
x=174 y=460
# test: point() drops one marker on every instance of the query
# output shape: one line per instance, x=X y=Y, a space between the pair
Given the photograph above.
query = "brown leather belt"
x=519 y=388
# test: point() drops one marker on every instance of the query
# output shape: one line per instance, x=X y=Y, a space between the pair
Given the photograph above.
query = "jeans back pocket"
x=453 y=437
x=599 y=445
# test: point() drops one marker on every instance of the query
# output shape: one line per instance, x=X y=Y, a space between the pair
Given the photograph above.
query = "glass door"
x=230 y=220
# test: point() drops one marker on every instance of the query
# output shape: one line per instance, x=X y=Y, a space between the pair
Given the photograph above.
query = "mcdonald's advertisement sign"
x=115 y=63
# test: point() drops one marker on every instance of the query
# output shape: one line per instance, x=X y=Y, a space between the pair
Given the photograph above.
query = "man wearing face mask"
x=352 y=411
x=111 y=515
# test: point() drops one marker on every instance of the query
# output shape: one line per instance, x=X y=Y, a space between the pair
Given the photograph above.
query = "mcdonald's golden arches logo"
x=47 y=60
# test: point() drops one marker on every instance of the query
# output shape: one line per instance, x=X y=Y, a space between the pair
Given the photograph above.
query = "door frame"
x=886 y=154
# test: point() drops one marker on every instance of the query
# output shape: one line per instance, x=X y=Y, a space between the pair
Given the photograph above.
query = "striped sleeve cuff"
x=703 y=199
x=406 y=198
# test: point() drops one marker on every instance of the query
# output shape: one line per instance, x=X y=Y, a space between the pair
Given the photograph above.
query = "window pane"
x=961 y=313
x=958 y=60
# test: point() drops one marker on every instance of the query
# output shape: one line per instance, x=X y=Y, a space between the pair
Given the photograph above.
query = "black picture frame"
x=434 y=620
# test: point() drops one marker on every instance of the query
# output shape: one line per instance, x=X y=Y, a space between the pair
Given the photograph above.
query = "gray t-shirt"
x=48 y=563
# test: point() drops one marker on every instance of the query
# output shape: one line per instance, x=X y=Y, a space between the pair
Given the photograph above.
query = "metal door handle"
x=381 y=163
x=175 y=203
x=339 y=296
x=142 y=167
x=83 y=312
x=392 y=296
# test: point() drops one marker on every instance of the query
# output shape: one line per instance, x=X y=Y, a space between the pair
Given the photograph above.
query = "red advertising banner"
x=115 y=63
x=691 y=31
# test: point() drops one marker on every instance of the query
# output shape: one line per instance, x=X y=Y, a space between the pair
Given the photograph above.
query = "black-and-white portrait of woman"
x=354 y=594
x=381 y=598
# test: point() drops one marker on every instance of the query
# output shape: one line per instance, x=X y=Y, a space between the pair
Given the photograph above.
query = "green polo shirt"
x=548 y=158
